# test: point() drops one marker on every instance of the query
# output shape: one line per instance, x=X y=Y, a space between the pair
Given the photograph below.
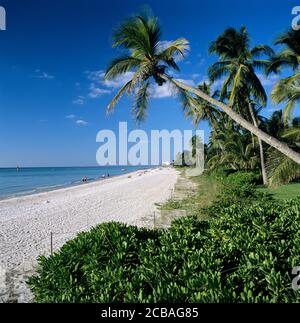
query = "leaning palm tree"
x=237 y=64
x=148 y=60
x=287 y=90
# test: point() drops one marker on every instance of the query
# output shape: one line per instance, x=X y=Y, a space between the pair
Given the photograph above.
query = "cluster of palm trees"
x=240 y=137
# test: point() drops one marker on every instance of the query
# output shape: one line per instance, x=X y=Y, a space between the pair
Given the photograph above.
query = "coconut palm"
x=289 y=55
x=237 y=64
x=233 y=148
x=287 y=90
x=149 y=60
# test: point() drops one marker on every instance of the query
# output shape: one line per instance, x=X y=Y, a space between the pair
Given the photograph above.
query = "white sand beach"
x=26 y=222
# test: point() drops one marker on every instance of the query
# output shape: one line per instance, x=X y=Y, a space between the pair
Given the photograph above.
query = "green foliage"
x=243 y=255
x=243 y=178
x=238 y=188
x=94 y=267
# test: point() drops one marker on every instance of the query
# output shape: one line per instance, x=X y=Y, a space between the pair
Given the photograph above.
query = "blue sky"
x=52 y=103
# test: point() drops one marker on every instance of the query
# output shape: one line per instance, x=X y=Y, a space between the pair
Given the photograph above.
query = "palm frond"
x=259 y=50
x=179 y=47
x=121 y=65
x=141 y=102
x=287 y=90
x=114 y=101
x=281 y=169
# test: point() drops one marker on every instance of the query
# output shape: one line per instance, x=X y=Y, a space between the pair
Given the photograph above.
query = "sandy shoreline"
x=26 y=222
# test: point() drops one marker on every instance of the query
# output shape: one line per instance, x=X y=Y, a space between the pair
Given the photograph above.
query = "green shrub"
x=243 y=255
x=239 y=189
x=242 y=178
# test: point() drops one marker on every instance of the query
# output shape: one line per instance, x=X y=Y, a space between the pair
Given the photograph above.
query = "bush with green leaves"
x=238 y=188
x=243 y=255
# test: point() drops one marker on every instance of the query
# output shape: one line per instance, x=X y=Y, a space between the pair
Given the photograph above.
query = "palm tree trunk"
x=275 y=143
x=261 y=148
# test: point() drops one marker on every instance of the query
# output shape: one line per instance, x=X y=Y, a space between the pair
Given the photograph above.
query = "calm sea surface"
x=14 y=182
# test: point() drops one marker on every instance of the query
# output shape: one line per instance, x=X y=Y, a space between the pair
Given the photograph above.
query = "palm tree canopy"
x=232 y=148
x=289 y=56
x=146 y=56
x=237 y=64
x=287 y=90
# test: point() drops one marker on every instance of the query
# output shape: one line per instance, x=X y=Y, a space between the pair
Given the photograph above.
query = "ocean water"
x=23 y=181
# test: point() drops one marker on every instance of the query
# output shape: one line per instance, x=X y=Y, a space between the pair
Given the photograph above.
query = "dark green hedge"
x=243 y=255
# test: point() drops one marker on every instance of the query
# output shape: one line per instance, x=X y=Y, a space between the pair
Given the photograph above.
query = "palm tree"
x=237 y=63
x=233 y=148
x=145 y=57
x=148 y=58
x=287 y=90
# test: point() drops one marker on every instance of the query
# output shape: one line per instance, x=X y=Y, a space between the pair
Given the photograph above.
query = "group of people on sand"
x=85 y=179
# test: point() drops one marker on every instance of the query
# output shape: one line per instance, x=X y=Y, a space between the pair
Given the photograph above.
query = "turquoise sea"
x=23 y=181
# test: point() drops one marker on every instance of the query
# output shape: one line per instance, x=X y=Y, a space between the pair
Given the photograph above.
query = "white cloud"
x=77 y=120
x=96 y=92
x=118 y=81
x=95 y=76
x=79 y=100
x=164 y=91
x=43 y=75
x=71 y=116
x=99 y=86
x=81 y=122
x=168 y=90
